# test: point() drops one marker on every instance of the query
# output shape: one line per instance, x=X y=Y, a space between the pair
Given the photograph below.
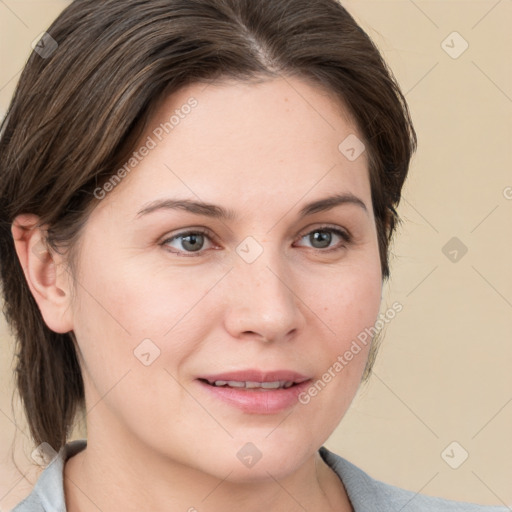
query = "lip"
x=257 y=401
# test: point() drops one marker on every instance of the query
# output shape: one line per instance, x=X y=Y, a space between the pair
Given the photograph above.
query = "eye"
x=322 y=237
x=190 y=241
x=193 y=241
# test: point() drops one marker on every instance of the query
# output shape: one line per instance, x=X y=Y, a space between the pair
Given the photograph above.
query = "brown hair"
x=79 y=107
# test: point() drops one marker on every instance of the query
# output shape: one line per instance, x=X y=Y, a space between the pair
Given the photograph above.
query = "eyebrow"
x=219 y=212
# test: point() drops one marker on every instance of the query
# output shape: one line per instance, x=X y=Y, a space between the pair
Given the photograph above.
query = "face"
x=175 y=298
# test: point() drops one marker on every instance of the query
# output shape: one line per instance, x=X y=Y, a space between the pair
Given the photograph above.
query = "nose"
x=263 y=304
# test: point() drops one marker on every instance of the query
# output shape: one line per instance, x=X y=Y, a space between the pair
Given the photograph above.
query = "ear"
x=45 y=271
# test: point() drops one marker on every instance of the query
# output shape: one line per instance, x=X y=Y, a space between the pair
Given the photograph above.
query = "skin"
x=156 y=440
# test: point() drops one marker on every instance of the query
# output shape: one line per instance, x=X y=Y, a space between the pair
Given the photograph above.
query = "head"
x=251 y=106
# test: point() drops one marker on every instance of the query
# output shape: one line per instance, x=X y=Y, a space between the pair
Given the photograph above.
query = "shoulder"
x=48 y=492
x=368 y=494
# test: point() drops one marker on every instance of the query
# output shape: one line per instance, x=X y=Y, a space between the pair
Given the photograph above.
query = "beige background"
x=443 y=372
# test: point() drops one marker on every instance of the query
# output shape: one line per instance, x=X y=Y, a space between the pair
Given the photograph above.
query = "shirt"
x=365 y=493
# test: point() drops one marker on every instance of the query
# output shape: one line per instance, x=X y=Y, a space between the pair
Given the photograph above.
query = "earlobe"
x=44 y=271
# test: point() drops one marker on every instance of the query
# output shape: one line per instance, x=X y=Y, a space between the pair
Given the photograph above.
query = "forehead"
x=251 y=113
x=235 y=140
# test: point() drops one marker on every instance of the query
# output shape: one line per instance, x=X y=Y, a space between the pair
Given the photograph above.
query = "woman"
x=197 y=200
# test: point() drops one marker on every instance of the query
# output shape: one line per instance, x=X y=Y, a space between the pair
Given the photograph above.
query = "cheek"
x=348 y=309
x=156 y=299
x=137 y=298
x=133 y=332
x=120 y=308
x=351 y=301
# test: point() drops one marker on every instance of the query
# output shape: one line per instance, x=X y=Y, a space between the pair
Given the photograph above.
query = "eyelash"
x=344 y=235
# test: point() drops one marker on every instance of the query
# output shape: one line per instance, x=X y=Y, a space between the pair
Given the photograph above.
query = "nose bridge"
x=262 y=271
x=263 y=302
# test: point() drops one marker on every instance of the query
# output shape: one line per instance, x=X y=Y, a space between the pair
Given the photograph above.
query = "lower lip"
x=257 y=401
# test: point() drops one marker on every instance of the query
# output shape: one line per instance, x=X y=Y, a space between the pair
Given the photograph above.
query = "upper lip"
x=257 y=376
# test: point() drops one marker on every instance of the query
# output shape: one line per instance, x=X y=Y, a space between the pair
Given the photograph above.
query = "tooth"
x=253 y=384
x=271 y=385
x=236 y=384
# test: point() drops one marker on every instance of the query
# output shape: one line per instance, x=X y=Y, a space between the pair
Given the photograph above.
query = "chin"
x=255 y=459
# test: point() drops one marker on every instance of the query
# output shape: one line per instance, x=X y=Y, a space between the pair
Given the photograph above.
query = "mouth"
x=254 y=391
x=251 y=385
